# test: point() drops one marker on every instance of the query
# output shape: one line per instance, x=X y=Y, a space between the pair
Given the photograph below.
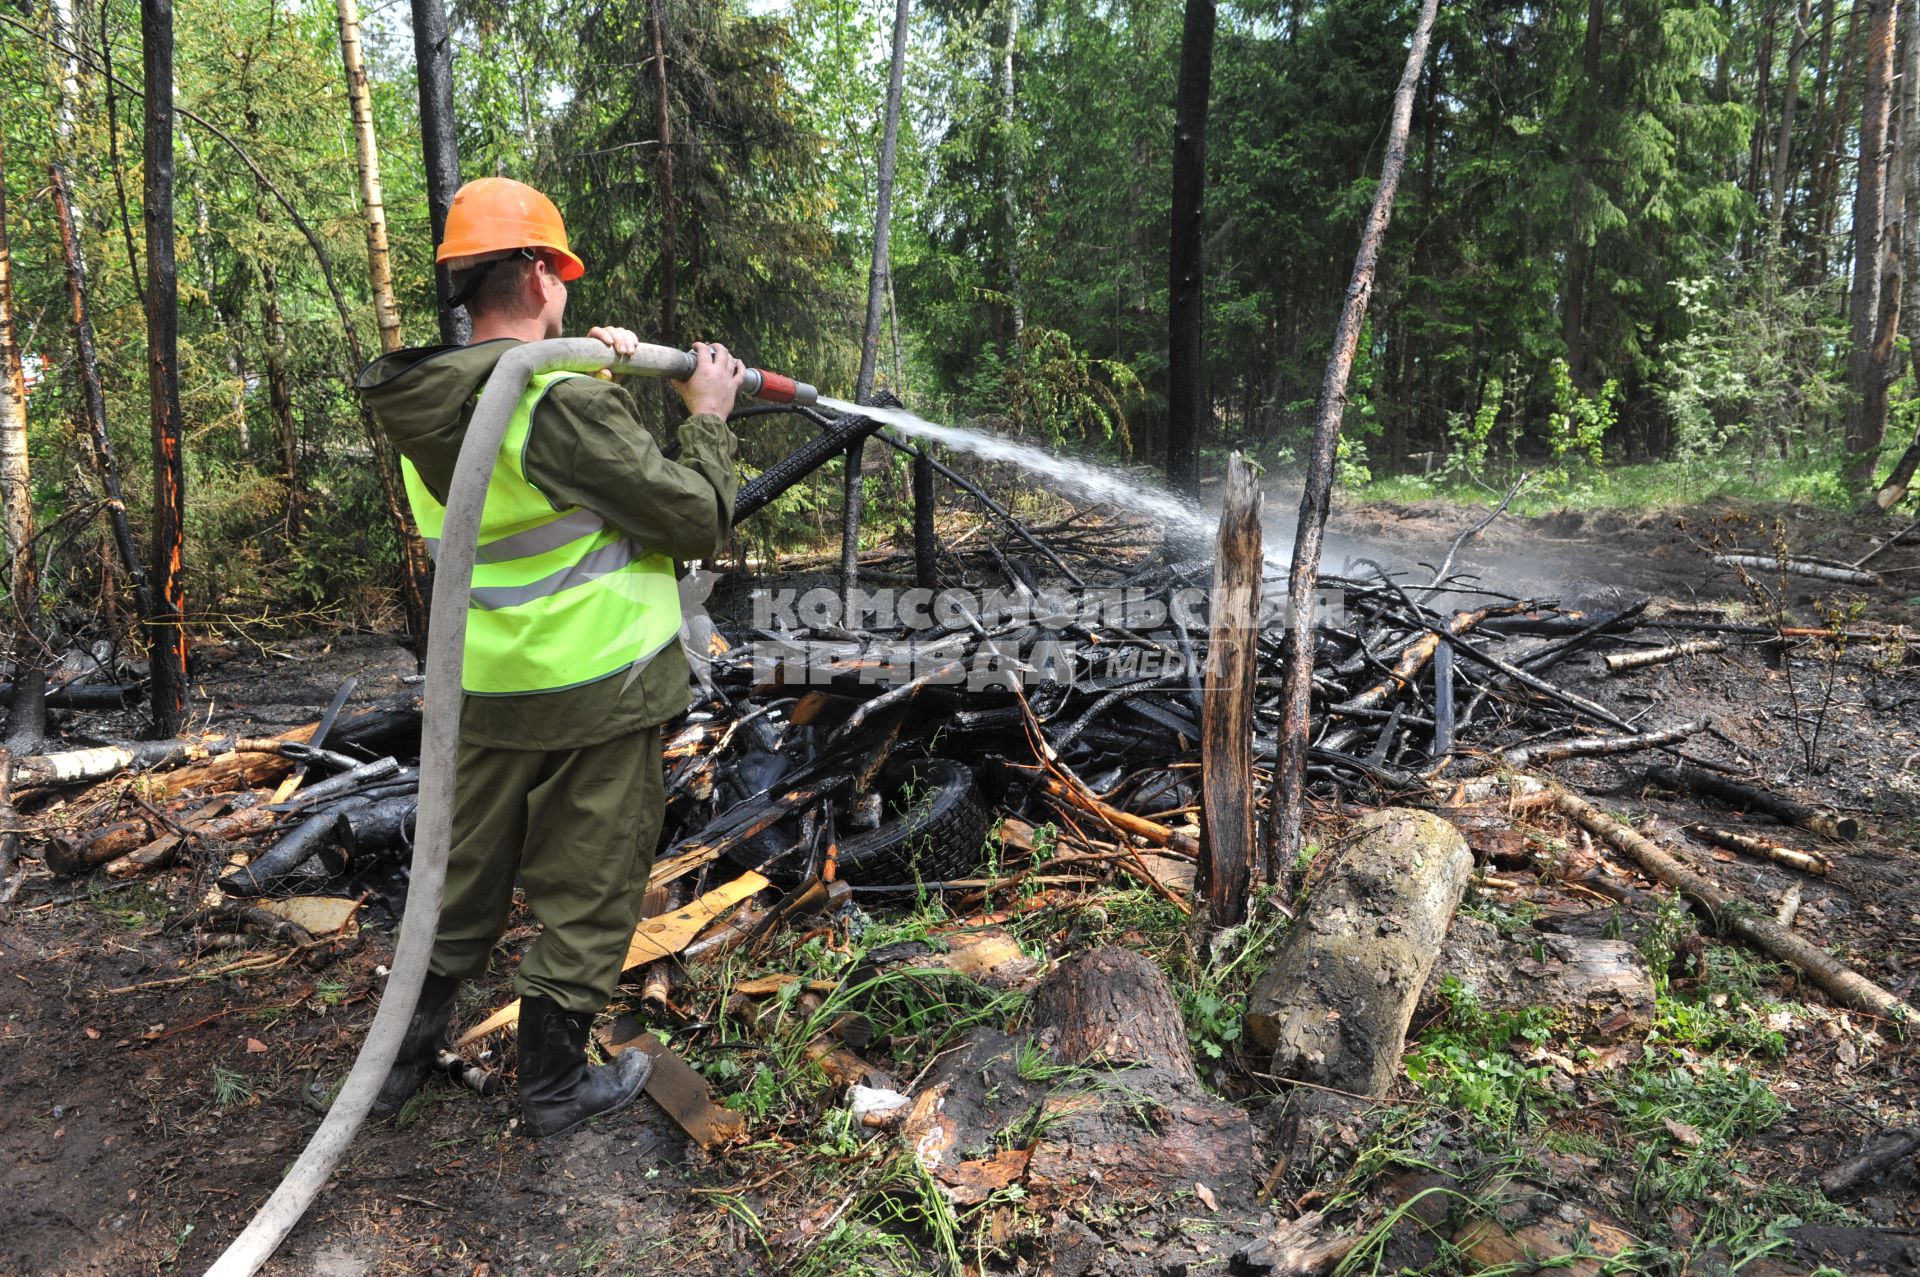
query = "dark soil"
x=141 y=1128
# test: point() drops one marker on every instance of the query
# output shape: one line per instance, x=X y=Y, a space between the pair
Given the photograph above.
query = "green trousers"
x=578 y=826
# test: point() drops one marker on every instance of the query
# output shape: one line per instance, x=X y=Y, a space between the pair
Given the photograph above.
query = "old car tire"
x=935 y=828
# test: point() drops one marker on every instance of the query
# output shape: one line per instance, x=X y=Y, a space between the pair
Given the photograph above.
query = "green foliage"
x=1214 y=992
x=230 y=1088
x=1578 y=424
x=1061 y=392
x=1470 y=439
x=1467 y=1060
x=1586 y=262
x=1753 y=373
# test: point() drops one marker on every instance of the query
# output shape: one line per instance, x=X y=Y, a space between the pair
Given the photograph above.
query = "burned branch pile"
x=874 y=743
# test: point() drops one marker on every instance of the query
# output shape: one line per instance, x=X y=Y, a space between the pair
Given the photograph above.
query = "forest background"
x=1651 y=250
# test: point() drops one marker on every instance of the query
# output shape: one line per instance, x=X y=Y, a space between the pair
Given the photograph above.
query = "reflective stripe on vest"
x=559 y=599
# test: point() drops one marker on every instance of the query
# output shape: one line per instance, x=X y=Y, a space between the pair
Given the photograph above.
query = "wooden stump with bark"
x=1603 y=985
x=1113 y=1112
x=1334 y=1005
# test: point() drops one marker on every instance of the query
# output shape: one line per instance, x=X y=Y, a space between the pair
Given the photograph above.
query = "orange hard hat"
x=495 y=215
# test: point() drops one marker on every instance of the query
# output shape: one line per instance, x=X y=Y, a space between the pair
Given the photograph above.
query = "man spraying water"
x=571 y=658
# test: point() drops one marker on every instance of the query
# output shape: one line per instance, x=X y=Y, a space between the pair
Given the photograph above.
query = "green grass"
x=1655 y=485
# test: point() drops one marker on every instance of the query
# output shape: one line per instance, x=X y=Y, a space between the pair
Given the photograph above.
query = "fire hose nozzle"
x=778 y=388
x=773 y=387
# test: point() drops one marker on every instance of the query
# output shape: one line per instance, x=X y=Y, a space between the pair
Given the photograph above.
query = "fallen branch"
x=1799 y=567
x=1732 y=840
x=1736 y=916
x=1591 y=746
x=1899 y=1146
x=1621 y=662
x=1818 y=819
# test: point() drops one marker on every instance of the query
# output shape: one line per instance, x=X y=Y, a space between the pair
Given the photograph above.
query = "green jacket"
x=587 y=449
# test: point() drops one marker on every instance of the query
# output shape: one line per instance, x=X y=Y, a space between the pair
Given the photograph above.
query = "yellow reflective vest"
x=559 y=598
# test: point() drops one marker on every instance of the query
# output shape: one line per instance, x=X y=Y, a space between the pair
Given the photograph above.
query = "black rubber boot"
x=426 y=1032
x=558 y=1088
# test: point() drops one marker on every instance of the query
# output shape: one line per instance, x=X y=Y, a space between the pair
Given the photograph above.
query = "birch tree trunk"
x=1783 y=149
x=1893 y=489
x=166 y=634
x=1186 y=260
x=386 y=312
x=1866 y=361
x=1297 y=682
x=853 y=481
x=27 y=721
x=880 y=276
x=93 y=408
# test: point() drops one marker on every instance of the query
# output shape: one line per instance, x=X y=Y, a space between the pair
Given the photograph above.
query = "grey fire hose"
x=439 y=741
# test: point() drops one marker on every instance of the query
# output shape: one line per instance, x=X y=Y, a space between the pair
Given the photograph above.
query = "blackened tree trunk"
x=440 y=146
x=1867 y=360
x=1186 y=275
x=27 y=721
x=166 y=634
x=1296 y=687
x=669 y=219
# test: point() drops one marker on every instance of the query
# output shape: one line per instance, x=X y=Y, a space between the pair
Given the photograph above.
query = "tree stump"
x=1603 y=986
x=1113 y=1008
x=1334 y=1005
x=1116 y=1113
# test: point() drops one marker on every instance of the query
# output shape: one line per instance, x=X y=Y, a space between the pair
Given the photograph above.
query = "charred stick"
x=1895 y=1148
x=314 y=743
x=1557 y=652
x=1818 y=819
x=1899 y=635
x=242 y=917
x=1592 y=746
x=471 y=1076
x=1620 y=662
x=1439 y=573
x=380 y=769
x=1442 y=701
x=1535 y=683
x=1415 y=658
x=1887 y=544
x=899 y=695
x=91 y=697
